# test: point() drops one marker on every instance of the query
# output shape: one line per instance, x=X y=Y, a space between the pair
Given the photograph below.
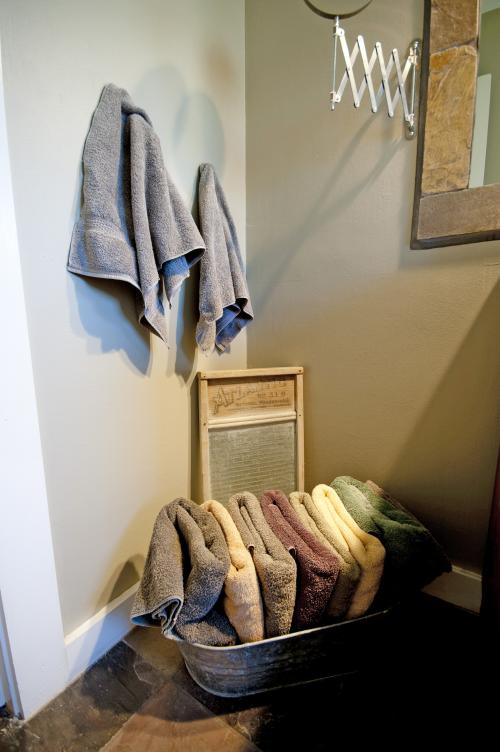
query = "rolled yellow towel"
x=366 y=549
x=242 y=600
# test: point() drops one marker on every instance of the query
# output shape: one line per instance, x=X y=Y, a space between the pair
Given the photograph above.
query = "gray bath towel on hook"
x=133 y=225
x=225 y=307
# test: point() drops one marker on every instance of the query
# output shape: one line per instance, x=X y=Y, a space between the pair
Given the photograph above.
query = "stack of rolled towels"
x=222 y=575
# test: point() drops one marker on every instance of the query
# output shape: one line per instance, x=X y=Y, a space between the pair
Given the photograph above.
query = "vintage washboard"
x=251 y=431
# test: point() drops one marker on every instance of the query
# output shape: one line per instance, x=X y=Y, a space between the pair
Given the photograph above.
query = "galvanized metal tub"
x=330 y=651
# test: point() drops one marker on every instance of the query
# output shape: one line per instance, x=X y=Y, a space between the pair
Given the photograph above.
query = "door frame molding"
x=31 y=629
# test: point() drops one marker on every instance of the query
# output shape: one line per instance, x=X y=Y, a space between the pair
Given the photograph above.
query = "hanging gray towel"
x=133 y=224
x=196 y=577
x=225 y=307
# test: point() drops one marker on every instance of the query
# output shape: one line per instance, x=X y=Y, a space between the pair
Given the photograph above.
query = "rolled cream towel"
x=366 y=549
x=317 y=566
x=276 y=569
x=349 y=571
x=242 y=601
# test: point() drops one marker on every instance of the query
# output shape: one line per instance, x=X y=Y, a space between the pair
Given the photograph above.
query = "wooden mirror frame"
x=445 y=210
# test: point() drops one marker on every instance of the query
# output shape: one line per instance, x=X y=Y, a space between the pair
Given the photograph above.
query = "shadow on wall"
x=412 y=401
x=124 y=577
x=331 y=200
x=455 y=407
x=107 y=313
x=191 y=132
x=95 y=643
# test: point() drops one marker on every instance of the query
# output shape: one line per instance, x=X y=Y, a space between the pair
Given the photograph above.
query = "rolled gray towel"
x=201 y=568
x=160 y=595
x=133 y=226
x=276 y=569
x=349 y=570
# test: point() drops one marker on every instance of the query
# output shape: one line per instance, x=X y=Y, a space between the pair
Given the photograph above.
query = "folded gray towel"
x=201 y=569
x=276 y=569
x=161 y=590
x=225 y=306
x=133 y=224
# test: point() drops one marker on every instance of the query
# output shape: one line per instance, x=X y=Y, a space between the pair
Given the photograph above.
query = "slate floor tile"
x=89 y=712
x=173 y=721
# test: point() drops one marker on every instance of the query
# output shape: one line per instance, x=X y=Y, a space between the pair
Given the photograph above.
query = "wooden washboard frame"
x=245 y=399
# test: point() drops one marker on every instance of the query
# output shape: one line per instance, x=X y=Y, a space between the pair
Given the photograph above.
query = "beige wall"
x=117 y=411
x=489 y=62
x=401 y=347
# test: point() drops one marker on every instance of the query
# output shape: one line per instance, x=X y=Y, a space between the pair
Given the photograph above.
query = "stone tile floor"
x=437 y=685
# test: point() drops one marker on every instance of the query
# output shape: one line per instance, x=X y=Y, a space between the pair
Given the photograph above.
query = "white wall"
x=117 y=410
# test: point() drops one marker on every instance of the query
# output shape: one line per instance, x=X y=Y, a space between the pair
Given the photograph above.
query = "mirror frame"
x=445 y=210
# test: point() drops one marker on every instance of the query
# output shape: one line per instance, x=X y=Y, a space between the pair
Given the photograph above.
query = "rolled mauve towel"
x=317 y=567
x=349 y=571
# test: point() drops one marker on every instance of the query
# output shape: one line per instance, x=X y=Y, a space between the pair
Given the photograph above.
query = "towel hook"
x=334 y=16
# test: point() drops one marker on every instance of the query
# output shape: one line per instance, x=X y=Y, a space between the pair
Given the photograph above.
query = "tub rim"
x=245 y=645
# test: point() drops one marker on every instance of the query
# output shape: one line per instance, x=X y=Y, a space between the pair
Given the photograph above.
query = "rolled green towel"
x=413 y=556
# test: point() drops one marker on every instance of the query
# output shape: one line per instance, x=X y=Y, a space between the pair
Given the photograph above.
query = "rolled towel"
x=366 y=549
x=160 y=595
x=349 y=571
x=276 y=569
x=187 y=563
x=242 y=601
x=206 y=565
x=413 y=557
x=317 y=566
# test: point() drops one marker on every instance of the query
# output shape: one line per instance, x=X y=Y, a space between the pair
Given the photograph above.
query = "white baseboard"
x=88 y=642
x=461 y=587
